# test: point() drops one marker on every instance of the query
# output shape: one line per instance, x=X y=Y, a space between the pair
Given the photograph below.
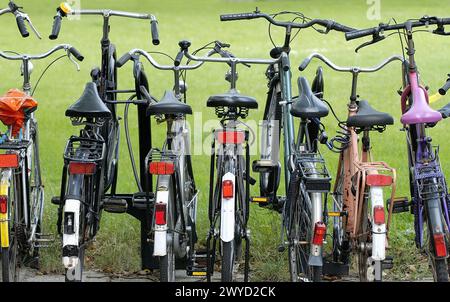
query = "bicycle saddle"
x=89 y=105
x=307 y=105
x=420 y=112
x=369 y=117
x=169 y=104
x=232 y=99
x=445 y=111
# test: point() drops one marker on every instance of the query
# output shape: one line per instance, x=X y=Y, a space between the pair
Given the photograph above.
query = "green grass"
x=117 y=246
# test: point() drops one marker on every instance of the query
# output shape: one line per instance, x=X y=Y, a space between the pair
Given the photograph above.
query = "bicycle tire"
x=228 y=250
x=167 y=263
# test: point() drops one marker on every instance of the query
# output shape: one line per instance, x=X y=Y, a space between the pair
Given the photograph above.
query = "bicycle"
x=429 y=195
x=21 y=187
x=173 y=213
x=94 y=154
x=304 y=238
x=21 y=17
x=357 y=226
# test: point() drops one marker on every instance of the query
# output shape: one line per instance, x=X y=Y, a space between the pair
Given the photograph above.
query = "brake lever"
x=375 y=39
x=69 y=55
x=26 y=17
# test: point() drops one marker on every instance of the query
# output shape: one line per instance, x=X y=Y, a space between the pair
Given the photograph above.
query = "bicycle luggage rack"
x=15 y=145
x=156 y=155
x=92 y=149
x=316 y=178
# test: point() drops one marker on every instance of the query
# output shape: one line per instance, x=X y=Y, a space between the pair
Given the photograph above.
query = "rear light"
x=227 y=189
x=230 y=137
x=320 y=229
x=9 y=161
x=160 y=214
x=82 y=168
x=3 y=204
x=162 y=168
x=378 y=180
x=378 y=215
x=439 y=245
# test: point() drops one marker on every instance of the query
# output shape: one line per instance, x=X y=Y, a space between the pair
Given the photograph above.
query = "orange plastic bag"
x=13 y=107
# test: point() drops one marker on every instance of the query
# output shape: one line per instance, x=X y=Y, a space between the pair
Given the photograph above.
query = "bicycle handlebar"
x=306 y=62
x=329 y=24
x=443 y=90
x=21 y=17
x=69 y=48
x=64 y=10
x=424 y=21
x=233 y=59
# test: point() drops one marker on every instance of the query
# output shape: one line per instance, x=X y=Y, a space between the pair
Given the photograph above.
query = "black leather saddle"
x=89 y=105
x=169 y=104
x=445 y=111
x=368 y=117
x=232 y=99
x=307 y=105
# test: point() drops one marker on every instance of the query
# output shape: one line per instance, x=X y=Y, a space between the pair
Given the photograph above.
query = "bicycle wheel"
x=228 y=257
x=10 y=253
x=340 y=246
x=364 y=261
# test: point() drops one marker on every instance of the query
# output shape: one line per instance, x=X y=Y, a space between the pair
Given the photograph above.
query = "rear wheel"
x=167 y=262
x=228 y=257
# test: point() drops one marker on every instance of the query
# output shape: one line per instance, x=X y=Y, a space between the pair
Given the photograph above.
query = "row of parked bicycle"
x=351 y=216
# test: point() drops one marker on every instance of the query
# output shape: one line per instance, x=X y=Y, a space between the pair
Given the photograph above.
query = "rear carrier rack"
x=15 y=145
x=314 y=172
x=84 y=149
x=156 y=155
x=430 y=171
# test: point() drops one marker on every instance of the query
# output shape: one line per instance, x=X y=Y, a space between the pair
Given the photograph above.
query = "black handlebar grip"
x=155 y=33
x=304 y=64
x=443 y=90
x=359 y=33
x=242 y=16
x=56 y=27
x=76 y=54
x=343 y=28
x=178 y=58
x=123 y=60
x=21 y=25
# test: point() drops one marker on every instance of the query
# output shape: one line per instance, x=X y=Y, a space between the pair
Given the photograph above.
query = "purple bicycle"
x=430 y=201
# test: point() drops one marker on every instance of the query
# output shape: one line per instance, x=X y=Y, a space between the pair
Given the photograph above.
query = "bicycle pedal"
x=197 y=271
x=112 y=205
x=264 y=165
x=260 y=200
x=140 y=200
x=56 y=200
x=388 y=262
x=43 y=236
x=400 y=205
x=336 y=214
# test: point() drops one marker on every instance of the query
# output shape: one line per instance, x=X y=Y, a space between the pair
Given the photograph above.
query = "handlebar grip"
x=178 y=58
x=76 y=54
x=241 y=16
x=21 y=25
x=155 y=33
x=359 y=33
x=304 y=64
x=123 y=60
x=56 y=27
x=443 y=90
x=343 y=28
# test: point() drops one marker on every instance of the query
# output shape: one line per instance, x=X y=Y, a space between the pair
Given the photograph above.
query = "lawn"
x=117 y=245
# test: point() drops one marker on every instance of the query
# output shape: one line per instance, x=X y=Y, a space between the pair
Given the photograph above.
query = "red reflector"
x=320 y=229
x=9 y=161
x=378 y=180
x=439 y=245
x=227 y=189
x=378 y=215
x=230 y=137
x=160 y=214
x=161 y=168
x=81 y=168
x=3 y=204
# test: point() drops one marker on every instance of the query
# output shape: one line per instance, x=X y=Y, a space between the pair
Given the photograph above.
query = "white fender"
x=227 y=214
x=72 y=206
x=160 y=243
x=378 y=230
